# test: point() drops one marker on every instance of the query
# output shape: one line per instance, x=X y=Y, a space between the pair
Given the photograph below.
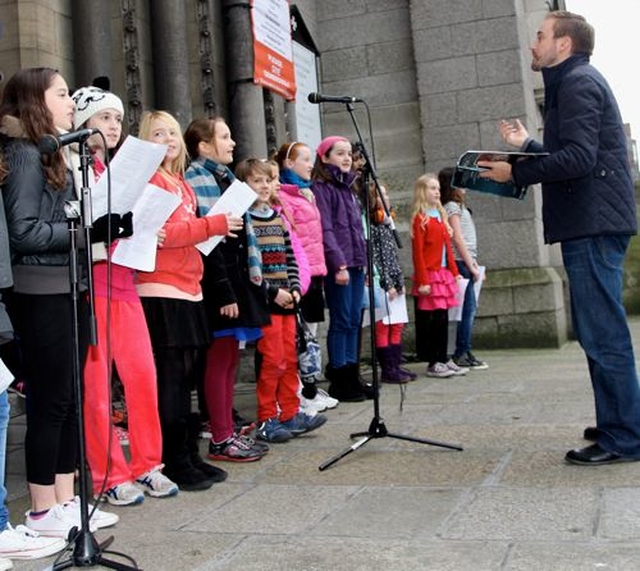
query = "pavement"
x=507 y=502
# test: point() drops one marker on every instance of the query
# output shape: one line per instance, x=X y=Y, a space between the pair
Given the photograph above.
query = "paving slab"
x=506 y=502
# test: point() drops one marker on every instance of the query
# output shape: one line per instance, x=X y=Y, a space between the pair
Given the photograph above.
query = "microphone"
x=49 y=144
x=319 y=98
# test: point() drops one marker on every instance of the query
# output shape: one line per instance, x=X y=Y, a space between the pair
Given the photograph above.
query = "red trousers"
x=278 y=377
x=388 y=334
x=132 y=354
x=223 y=357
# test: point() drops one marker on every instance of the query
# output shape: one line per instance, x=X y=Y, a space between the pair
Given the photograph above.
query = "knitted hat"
x=327 y=143
x=92 y=100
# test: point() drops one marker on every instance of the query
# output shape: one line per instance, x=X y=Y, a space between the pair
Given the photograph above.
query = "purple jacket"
x=342 y=232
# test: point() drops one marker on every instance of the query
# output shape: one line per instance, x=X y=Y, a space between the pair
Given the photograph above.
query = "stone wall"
x=437 y=76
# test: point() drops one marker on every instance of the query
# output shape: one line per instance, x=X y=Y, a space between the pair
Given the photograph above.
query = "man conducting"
x=589 y=207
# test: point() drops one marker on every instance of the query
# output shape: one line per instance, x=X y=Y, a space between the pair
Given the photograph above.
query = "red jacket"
x=430 y=236
x=178 y=262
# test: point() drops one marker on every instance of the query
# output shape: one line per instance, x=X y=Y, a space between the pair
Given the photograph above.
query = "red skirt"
x=444 y=291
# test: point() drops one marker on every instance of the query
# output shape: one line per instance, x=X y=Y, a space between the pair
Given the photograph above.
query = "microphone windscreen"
x=48 y=145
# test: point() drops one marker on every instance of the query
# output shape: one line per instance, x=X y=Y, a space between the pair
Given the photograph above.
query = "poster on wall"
x=272 y=50
x=308 y=127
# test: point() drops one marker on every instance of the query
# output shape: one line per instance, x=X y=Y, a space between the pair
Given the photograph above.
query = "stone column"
x=171 y=59
x=473 y=70
x=246 y=102
x=92 y=46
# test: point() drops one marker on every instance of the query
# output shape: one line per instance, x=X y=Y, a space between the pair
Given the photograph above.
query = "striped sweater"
x=279 y=266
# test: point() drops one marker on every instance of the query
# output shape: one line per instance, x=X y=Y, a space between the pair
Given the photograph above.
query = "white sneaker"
x=5 y=564
x=329 y=401
x=23 y=543
x=55 y=523
x=457 y=370
x=125 y=494
x=156 y=484
x=312 y=406
x=99 y=519
x=439 y=370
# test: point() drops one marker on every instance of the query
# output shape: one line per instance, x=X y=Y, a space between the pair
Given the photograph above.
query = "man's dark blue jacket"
x=586 y=180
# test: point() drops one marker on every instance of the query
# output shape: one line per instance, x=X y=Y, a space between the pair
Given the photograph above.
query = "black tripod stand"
x=86 y=551
x=377 y=428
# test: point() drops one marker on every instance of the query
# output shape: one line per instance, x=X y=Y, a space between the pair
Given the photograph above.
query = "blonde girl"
x=435 y=275
x=172 y=300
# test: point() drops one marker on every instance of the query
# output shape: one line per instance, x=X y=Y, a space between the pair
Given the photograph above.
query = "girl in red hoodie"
x=172 y=300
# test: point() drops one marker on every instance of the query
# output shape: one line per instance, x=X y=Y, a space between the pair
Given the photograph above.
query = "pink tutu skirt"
x=444 y=291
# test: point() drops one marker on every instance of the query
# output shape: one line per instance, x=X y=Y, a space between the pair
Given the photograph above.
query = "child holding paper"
x=172 y=300
x=234 y=293
x=390 y=279
x=465 y=247
x=123 y=340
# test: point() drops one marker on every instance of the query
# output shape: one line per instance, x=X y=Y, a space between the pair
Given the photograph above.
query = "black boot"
x=344 y=384
x=211 y=473
x=177 y=464
x=359 y=383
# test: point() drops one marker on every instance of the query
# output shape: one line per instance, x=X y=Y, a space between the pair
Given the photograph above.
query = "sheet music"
x=477 y=285
x=134 y=164
x=236 y=199
x=150 y=213
x=6 y=377
x=455 y=313
x=397 y=310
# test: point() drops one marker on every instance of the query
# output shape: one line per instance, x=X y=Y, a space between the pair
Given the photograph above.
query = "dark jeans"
x=345 y=307
x=595 y=270
x=469 y=308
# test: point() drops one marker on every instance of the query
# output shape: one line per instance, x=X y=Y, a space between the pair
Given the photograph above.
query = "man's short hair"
x=576 y=27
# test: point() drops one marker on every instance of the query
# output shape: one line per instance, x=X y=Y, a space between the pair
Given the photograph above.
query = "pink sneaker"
x=122 y=434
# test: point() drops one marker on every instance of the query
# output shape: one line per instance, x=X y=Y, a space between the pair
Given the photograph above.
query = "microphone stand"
x=377 y=427
x=86 y=552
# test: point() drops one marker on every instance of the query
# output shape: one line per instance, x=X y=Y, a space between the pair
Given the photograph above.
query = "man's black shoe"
x=595 y=456
x=591 y=433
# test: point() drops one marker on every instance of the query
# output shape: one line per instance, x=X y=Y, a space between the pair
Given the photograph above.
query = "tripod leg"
x=425 y=441
x=344 y=453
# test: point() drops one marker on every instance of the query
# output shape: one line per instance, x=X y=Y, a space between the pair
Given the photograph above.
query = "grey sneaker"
x=156 y=484
x=440 y=371
x=125 y=494
x=235 y=449
x=457 y=370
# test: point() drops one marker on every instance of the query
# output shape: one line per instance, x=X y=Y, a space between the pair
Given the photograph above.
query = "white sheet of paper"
x=6 y=377
x=150 y=213
x=134 y=164
x=236 y=199
x=455 y=313
x=381 y=306
x=477 y=285
x=397 y=310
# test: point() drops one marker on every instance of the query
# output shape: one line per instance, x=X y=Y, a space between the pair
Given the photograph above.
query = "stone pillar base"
x=522 y=307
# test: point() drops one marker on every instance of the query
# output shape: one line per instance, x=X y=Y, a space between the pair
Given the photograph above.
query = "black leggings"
x=177 y=372
x=432 y=335
x=44 y=325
